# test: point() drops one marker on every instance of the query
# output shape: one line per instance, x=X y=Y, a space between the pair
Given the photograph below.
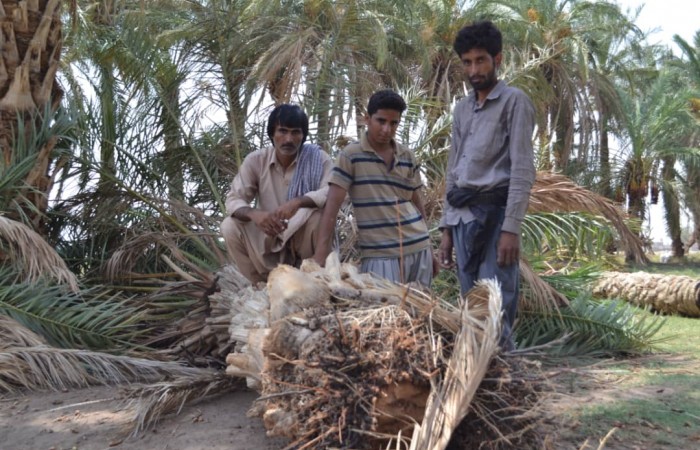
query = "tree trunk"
x=668 y=294
x=29 y=94
x=605 y=178
x=170 y=117
x=672 y=207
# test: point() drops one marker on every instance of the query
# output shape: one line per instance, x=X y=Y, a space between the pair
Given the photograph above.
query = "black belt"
x=461 y=197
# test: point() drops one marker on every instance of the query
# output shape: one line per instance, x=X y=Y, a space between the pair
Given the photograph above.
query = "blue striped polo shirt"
x=388 y=223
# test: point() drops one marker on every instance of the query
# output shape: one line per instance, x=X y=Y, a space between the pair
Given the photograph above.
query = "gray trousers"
x=416 y=267
x=476 y=248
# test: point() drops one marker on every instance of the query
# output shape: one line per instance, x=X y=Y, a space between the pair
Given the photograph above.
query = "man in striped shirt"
x=383 y=181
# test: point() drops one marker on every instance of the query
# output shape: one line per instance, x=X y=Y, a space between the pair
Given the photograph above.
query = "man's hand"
x=270 y=223
x=508 y=249
x=436 y=264
x=287 y=210
x=319 y=259
x=444 y=253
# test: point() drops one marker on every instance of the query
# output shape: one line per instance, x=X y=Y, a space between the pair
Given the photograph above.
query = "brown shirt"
x=262 y=178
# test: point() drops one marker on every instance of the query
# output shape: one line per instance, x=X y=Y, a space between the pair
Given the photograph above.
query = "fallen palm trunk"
x=668 y=294
x=348 y=359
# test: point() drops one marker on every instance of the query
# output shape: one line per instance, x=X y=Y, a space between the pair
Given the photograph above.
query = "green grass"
x=667 y=421
x=681 y=335
x=689 y=266
x=652 y=402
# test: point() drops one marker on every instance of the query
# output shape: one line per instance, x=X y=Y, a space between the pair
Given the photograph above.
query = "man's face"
x=382 y=125
x=287 y=140
x=480 y=68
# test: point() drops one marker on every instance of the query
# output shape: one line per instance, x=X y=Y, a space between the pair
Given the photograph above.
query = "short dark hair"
x=483 y=34
x=385 y=99
x=288 y=115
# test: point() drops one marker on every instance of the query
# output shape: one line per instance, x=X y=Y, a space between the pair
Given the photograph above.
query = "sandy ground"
x=91 y=419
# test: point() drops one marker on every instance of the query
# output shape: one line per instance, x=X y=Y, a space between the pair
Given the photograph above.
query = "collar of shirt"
x=364 y=143
x=396 y=148
x=272 y=158
x=493 y=95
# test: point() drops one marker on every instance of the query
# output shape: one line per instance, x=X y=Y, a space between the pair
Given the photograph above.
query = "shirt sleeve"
x=451 y=161
x=244 y=186
x=416 y=180
x=320 y=195
x=522 y=170
x=342 y=172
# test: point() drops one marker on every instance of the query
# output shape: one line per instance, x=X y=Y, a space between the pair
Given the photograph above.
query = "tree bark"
x=667 y=294
x=29 y=95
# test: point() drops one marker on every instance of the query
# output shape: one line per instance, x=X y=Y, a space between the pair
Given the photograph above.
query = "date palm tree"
x=691 y=66
x=656 y=126
x=29 y=99
x=558 y=47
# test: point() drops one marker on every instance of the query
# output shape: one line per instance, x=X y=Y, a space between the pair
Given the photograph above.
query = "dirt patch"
x=91 y=419
x=639 y=406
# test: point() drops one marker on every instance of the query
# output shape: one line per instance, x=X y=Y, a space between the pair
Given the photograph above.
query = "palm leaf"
x=566 y=237
x=25 y=362
x=554 y=193
x=150 y=403
x=589 y=327
x=32 y=256
x=15 y=335
x=44 y=367
x=95 y=318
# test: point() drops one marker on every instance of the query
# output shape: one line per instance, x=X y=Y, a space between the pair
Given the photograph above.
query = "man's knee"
x=232 y=232
x=304 y=240
x=230 y=229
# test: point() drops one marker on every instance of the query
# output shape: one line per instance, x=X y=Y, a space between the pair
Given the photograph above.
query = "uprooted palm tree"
x=667 y=294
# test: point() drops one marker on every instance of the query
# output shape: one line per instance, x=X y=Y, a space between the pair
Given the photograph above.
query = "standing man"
x=289 y=183
x=490 y=171
x=383 y=181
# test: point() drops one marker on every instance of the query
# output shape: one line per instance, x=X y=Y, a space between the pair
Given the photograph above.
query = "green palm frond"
x=590 y=327
x=566 y=236
x=95 y=319
x=575 y=279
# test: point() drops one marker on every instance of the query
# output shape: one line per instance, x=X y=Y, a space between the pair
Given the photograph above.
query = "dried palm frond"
x=538 y=294
x=15 y=335
x=557 y=193
x=150 y=403
x=474 y=346
x=168 y=234
x=33 y=258
x=44 y=367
